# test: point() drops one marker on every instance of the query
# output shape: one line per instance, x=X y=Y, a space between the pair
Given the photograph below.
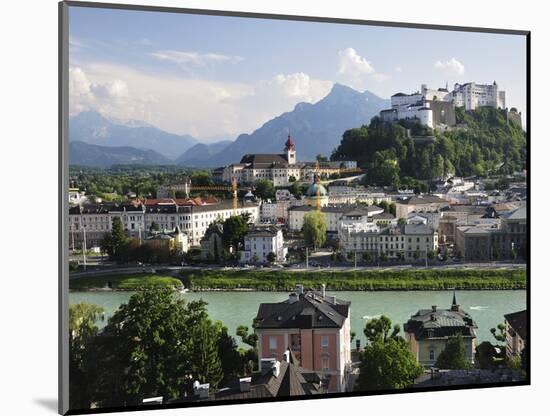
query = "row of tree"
x=122 y=248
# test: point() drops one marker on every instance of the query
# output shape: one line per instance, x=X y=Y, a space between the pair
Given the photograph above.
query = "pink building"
x=315 y=327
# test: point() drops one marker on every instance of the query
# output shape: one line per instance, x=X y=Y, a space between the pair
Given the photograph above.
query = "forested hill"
x=486 y=143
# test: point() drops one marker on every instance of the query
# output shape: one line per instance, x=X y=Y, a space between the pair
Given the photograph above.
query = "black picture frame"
x=63 y=168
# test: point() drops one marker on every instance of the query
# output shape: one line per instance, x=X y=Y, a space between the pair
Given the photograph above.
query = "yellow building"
x=428 y=331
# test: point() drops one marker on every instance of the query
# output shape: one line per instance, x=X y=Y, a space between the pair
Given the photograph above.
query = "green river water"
x=486 y=307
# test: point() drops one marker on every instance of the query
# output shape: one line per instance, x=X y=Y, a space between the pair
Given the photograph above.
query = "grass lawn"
x=125 y=282
x=471 y=279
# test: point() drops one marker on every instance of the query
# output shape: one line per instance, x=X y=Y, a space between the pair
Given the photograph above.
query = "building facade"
x=471 y=96
x=260 y=241
x=315 y=327
x=92 y=222
x=515 y=325
x=428 y=331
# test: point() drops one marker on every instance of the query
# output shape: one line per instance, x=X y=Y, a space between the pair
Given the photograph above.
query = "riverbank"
x=125 y=282
x=273 y=280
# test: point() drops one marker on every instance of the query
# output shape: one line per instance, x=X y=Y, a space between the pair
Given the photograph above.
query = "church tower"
x=290 y=151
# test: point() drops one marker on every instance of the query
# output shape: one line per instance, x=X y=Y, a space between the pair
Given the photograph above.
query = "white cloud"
x=196 y=59
x=301 y=86
x=397 y=69
x=202 y=108
x=111 y=89
x=356 y=70
x=453 y=66
x=351 y=63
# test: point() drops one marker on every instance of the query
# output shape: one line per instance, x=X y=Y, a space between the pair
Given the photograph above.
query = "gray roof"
x=438 y=323
x=383 y=216
x=264 y=160
x=263 y=231
x=418 y=229
x=422 y=199
x=222 y=205
x=517 y=214
x=310 y=310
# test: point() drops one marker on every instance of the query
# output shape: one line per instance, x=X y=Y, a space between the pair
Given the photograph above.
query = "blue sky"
x=215 y=77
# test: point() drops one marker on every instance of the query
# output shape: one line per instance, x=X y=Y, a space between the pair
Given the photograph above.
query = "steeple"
x=289 y=145
x=454 y=306
x=290 y=151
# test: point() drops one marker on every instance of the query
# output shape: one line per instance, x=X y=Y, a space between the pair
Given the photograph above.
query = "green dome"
x=312 y=190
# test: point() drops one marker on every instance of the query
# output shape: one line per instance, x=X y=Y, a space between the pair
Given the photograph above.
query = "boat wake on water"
x=369 y=317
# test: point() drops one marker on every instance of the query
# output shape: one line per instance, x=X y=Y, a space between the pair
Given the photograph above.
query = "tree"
x=485 y=354
x=389 y=365
x=387 y=362
x=234 y=230
x=265 y=189
x=499 y=335
x=453 y=356
x=249 y=339
x=206 y=365
x=82 y=330
x=321 y=158
x=230 y=358
x=367 y=256
x=295 y=189
x=431 y=254
x=315 y=229
x=271 y=257
x=202 y=178
x=154 y=227
x=402 y=221
x=380 y=329
x=155 y=345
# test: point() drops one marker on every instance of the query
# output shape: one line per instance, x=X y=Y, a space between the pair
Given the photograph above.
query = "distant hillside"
x=84 y=154
x=316 y=128
x=91 y=127
x=488 y=144
x=199 y=154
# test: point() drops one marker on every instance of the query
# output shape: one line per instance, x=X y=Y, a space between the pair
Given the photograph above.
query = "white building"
x=358 y=236
x=259 y=242
x=419 y=111
x=95 y=220
x=333 y=215
x=472 y=95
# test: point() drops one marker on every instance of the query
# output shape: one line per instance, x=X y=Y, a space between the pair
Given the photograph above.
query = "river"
x=486 y=307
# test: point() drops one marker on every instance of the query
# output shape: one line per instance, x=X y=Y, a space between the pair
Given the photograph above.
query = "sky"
x=215 y=77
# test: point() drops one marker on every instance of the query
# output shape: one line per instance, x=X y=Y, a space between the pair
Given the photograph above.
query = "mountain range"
x=316 y=128
x=85 y=154
x=93 y=128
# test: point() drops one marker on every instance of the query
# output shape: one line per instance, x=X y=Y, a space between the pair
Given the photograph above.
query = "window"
x=432 y=354
x=272 y=343
x=324 y=341
x=325 y=363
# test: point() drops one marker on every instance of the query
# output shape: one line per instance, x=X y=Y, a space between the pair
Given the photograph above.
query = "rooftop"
x=439 y=323
x=303 y=310
x=421 y=199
